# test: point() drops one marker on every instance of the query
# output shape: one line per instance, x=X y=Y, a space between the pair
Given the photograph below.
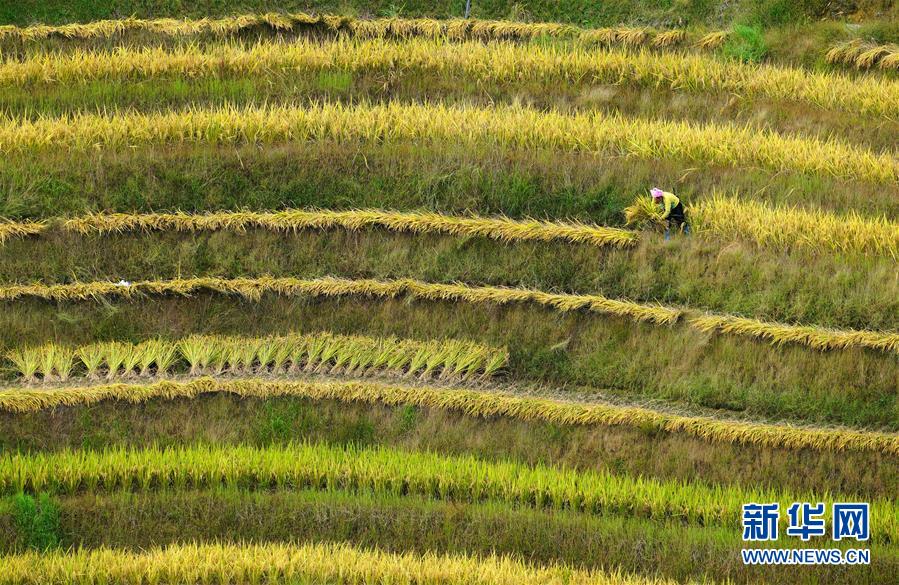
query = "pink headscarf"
x=656 y=192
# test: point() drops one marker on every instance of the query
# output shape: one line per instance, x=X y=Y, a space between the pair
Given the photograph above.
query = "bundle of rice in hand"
x=644 y=214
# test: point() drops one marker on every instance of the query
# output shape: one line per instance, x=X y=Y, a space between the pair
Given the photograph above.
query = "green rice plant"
x=510 y=126
x=343 y=352
x=265 y=354
x=92 y=356
x=27 y=361
x=473 y=403
x=300 y=349
x=398 y=472
x=116 y=354
x=495 y=363
x=440 y=355
x=241 y=355
x=132 y=360
x=336 y=563
x=47 y=363
x=156 y=356
x=360 y=350
x=199 y=352
x=416 y=361
x=398 y=357
x=284 y=349
x=330 y=349
x=253 y=288
x=63 y=362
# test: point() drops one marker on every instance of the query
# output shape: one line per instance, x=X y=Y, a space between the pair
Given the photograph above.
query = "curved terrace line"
x=818 y=338
x=471 y=402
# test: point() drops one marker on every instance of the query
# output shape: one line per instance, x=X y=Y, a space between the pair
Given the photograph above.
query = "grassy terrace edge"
x=399 y=472
x=475 y=403
x=333 y=563
x=401 y=524
x=817 y=338
x=502 y=62
x=505 y=126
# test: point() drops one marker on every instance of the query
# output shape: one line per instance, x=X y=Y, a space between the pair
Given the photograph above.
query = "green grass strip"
x=500 y=126
x=391 y=471
x=338 y=564
x=472 y=403
x=818 y=338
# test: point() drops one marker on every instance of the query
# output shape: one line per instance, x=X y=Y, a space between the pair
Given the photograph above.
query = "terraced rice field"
x=306 y=297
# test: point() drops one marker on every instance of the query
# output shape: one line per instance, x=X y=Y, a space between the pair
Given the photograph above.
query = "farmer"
x=674 y=211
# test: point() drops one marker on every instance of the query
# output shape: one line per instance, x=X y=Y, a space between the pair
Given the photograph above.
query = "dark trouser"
x=677 y=219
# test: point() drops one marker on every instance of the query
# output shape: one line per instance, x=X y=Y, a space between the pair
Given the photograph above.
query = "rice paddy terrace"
x=317 y=296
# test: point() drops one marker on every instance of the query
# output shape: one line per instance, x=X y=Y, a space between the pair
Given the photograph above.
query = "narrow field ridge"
x=505 y=126
x=497 y=228
x=818 y=338
x=723 y=217
x=399 y=472
x=476 y=403
x=500 y=62
x=340 y=564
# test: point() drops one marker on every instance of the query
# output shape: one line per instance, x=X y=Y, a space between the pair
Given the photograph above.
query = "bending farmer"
x=674 y=211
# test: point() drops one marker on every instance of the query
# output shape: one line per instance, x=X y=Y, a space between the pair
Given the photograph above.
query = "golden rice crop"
x=780 y=333
x=502 y=126
x=291 y=220
x=396 y=472
x=483 y=30
x=318 y=352
x=789 y=227
x=864 y=55
x=10 y=229
x=253 y=289
x=334 y=563
x=713 y=40
x=645 y=214
x=472 y=403
x=501 y=62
